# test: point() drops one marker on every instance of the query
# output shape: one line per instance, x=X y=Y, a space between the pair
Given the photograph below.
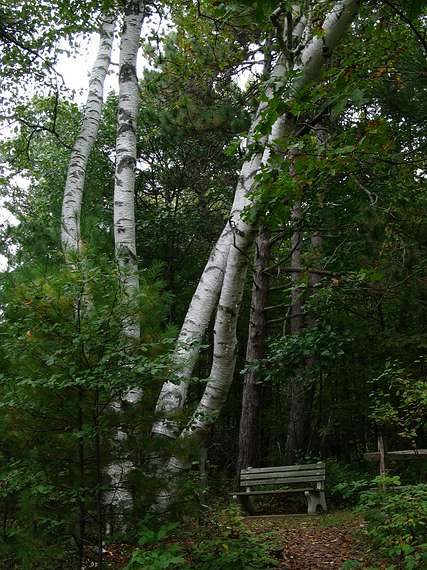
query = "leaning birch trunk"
x=73 y=193
x=203 y=304
x=312 y=56
x=119 y=498
x=225 y=338
x=173 y=393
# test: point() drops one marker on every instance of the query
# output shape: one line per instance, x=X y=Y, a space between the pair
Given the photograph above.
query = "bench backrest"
x=288 y=474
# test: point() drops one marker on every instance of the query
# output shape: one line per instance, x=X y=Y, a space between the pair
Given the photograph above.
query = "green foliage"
x=344 y=482
x=158 y=559
x=30 y=38
x=350 y=565
x=161 y=554
x=221 y=542
x=397 y=524
x=321 y=341
x=64 y=360
x=399 y=400
x=351 y=489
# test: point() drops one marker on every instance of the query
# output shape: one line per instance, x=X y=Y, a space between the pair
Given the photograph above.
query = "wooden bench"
x=308 y=479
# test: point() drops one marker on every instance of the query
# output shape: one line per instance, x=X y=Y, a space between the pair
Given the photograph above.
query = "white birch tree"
x=74 y=185
x=304 y=58
x=119 y=498
x=205 y=299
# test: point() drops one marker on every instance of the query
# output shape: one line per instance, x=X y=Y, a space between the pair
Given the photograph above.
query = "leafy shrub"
x=221 y=542
x=345 y=482
x=399 y=400
x=226 y=543
x=162 y=554
x=397 y=523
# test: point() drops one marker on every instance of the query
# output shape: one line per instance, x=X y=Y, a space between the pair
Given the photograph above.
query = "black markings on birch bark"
x=119 y=497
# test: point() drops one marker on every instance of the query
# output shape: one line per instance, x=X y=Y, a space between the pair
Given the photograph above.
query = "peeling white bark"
x=320 y=47
x=309 y=63
x=173 y=394
x=73 y=193
x=119 y=496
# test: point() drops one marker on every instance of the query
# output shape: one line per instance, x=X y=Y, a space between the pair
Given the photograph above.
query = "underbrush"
x=396 y=523
x=219 y=541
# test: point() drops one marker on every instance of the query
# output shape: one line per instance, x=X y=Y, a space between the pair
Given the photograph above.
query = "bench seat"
x=308 y=479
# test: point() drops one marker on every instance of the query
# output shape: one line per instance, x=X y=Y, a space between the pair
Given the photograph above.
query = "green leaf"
x=357 y=97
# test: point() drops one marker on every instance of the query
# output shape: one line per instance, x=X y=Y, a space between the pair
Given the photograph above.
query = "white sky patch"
x=7 y=218
x=248 y=73
x=75 y=69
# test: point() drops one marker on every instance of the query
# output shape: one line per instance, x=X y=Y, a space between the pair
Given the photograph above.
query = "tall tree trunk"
x=73 y=193
x=119 y=497
x=308 y=65
x=124 y=187
x=302 y=384
x=312 y=57
x=249 y=436
x=174 y=392
x=296 y=435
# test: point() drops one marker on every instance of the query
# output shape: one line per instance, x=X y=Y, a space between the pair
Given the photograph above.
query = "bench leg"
x=323 y=501
x=247 y=503
x=314 y=500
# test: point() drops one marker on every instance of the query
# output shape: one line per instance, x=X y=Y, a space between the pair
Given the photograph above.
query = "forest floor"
x=315 y=542
x=299 y=542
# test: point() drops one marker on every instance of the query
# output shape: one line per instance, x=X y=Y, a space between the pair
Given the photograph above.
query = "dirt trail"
x=315 y=542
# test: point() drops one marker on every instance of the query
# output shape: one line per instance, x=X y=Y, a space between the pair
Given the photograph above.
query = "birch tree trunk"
x=124 y=186
x=173 y=393
x=119 y=497
x=73 y=193
x=309 y=63
x=312 y=57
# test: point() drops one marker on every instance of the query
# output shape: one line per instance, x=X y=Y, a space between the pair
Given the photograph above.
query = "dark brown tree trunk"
x=296 y=433
x=302 y=384
x=249 y=433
